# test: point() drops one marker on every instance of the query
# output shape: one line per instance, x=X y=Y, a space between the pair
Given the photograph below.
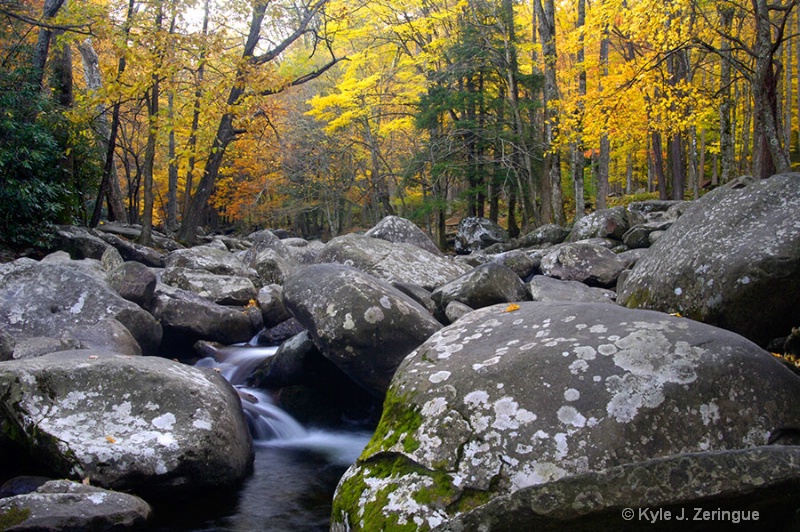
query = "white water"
x=270 y=426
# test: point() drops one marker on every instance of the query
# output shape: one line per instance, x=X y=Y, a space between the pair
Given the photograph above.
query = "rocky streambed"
x=549 y=381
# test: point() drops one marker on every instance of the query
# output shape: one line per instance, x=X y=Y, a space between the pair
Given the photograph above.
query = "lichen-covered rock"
x=362 y=324
x=547 y=289
x=396 y=229
x=756 y=488
x=131 y=251
x=221 y=289
x=478 y=233
x=638 y=236
x=483 y=286
x=142 y=424
x=186 y=317
x=392 y=262
x=504 y=400
x=272 y=267
x=44 y=298
x=605 y=223
x=210 y=259
x=517 y=260
x=135 y=282
x=731 y=260
x=66 y=505
x=656 y=210
x=586 y=263
x=544 y=234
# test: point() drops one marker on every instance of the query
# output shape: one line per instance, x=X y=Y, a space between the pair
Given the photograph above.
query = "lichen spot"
x=373 y=315
x=349 y=324
x=571 y=394
x=439 y=376
x=331 y=310
x=678 y=291
x=434 y=407
x=745 y=280
x=385 y=302
x=570 y=416
x=165 y=421
x=476 y=398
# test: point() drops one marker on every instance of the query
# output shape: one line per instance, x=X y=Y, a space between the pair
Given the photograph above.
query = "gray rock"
x=589 y=264
x=361 y=323
x=547 y=289
x=392 y=262
x=142 y=424
x=518 y=261
x=396 y=229
x=107 y=335
x=306 y=254
x=655 y=210
x=456 y=310
x=270 y=301
x=604 y=223
x=134 y=232
x=36 y=346
x=755 y=487
x=187 y=317
x=263 y=240
x=638 y=236
x=135 y=282
x=79 y=242
x=39 y=299
x=483 y=286
x=221 y=289
x=212 y=260
x=478 y=233
x=545 y=234
x=272 y=267
x=418 y=294
x=504 y=401
x=732 y=260
x=131 y=251
x=632 y=256
x=65 y=505
x=7 y=344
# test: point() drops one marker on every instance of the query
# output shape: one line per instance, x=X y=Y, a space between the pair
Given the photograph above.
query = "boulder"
x=656 y=210
x=263 y=240
x=142 y=424
x=483 y=286
x=502 y=401
x=547 y=289
x=186 y=317
x=67 y=505
x=272 y=267
x=455 y=310
x=221 y=289
x=593 y=265
x=392 y=262
x=478 y=233
x=42 y=299
x=79 y=242
x=134 y=232
x=731 y=260
x=107 y=335
x=396 y=229
x=547 y=234
x=604 y=223
x=210 y=259
x=270 y=301
x=638 y=236
x=131 y=251
x=276 y=335
x=361 y=323
x=135 y=282
x=517 y=260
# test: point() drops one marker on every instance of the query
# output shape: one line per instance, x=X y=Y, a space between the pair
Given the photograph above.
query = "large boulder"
x=67 y=505
x=362 y=324
x=396 y=229
x=131 y=251
x=485 y=285
x=187 y=317
x=547 y=289
x=142 y=424
x=44 y=298
x=478 y=233
x=731 y=260
x=505 y=400
x=586 y=263
x=547 y=234
x=221 y=289
x=135 y=282
x=392 y=262
x=210 y=259
x=605 y=223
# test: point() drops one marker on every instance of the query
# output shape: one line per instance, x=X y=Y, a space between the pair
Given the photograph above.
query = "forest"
x=324 y=116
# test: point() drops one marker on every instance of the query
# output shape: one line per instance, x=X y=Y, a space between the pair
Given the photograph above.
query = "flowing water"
x=295 y=470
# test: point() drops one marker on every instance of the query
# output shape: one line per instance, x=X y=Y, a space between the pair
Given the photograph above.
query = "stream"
x=296 y=468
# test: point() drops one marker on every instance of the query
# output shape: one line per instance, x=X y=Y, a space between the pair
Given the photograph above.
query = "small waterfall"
x=269 y=425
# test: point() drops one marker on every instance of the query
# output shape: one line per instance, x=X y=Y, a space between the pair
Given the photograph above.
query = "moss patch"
x=399 y=421
x=13 y=517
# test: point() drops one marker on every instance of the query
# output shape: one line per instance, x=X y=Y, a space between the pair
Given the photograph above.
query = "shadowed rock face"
x=501 y=401
x=732 y=260
x=129 y=423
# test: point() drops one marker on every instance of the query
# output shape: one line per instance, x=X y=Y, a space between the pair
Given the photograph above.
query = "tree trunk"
x=658 y=165
x=94 y=82
x=547 y=35
x=42 y=47
x=726 y=145
x=172 y=168
x=578 y=160
x=604 y=160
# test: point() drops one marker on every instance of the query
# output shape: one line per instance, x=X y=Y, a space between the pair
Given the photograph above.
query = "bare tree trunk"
x=604 y=160
x=547 y=34
x=578 y=160
x=94 y=82
x=658 y=165
x=42 y=47
x=172 y=168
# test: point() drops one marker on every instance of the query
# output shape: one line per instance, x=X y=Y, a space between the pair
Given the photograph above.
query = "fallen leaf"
x=111 y=439
x=512 y=307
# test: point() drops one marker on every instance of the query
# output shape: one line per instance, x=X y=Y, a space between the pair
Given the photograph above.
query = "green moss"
x=13 y=517
x=400 y=419
x=638 y=298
